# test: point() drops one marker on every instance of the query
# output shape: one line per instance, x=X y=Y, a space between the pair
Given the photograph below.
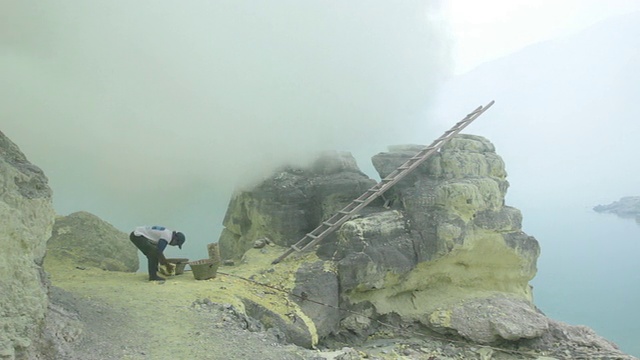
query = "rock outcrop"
x=286 y=206
x=441 y=250
x=26 y=219
x=86 y=240
x=447 y=250
x=626 y=207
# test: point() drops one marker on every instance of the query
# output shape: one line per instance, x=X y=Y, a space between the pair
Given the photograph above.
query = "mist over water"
x=588 y=270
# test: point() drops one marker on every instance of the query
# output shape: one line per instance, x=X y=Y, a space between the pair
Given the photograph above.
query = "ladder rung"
x=336 y=216
x=328 y=223
x=312 y=236
x=294 y=247
x=350 y=207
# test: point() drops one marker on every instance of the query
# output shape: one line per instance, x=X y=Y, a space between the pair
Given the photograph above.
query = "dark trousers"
x=149 y=250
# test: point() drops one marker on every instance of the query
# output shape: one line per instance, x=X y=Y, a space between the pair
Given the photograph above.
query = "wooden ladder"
x=330 y=225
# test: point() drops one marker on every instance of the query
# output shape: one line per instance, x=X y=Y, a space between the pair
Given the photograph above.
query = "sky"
x=490 y=29
x=571 y=114
x=155 y=112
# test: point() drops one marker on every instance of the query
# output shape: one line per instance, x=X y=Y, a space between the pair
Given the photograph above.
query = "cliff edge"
x=26 y=219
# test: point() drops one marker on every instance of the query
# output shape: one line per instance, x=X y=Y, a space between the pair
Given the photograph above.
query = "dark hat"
x=180 y=239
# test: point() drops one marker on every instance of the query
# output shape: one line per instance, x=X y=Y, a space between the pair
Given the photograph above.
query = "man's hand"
x=170 y=268
x=167 y=269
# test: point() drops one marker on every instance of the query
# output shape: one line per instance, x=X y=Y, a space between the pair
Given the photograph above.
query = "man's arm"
x=162 y=244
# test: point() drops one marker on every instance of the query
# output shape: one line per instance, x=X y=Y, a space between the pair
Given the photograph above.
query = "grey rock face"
x=85 y=239
x=315 y=282
x=33 y=184
x=488 y=320
x=575 y=342
x=286 y=206
x=26 y=218
x=447 y=237
x=296 y=332
x=370 y=247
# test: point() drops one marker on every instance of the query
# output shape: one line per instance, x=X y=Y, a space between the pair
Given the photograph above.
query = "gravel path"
x=204 y=330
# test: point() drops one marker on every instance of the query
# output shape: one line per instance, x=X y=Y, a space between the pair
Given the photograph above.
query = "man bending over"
x=152 y=240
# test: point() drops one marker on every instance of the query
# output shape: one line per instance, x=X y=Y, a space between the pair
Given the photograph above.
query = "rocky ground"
x=123 y=316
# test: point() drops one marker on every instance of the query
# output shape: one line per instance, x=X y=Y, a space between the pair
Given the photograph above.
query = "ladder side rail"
x=435 y=147
x=343 y=219
x=374 y=192
x=338 y=219
x=289 y=251
x=411 y=165
x=337 y=224
x=364 y=202
x=335 y=221
x=393 y=179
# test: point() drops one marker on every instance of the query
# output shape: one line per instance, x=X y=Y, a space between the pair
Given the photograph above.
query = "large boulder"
x=86 y=240
x=574 y=342
x=446 y=241
x=286 y=206
x=26 y=219
x=489 y=320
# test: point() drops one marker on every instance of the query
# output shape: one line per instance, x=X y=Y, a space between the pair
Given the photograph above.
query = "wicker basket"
x=214 y=252
x=204 y=269
x=181 y=263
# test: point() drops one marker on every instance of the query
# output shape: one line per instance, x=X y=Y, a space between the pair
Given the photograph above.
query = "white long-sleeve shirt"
x=154 y=233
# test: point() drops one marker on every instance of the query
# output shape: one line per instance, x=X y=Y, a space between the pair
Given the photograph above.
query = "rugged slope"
x=123 y=316
x=26 y=218
x=443 y=254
